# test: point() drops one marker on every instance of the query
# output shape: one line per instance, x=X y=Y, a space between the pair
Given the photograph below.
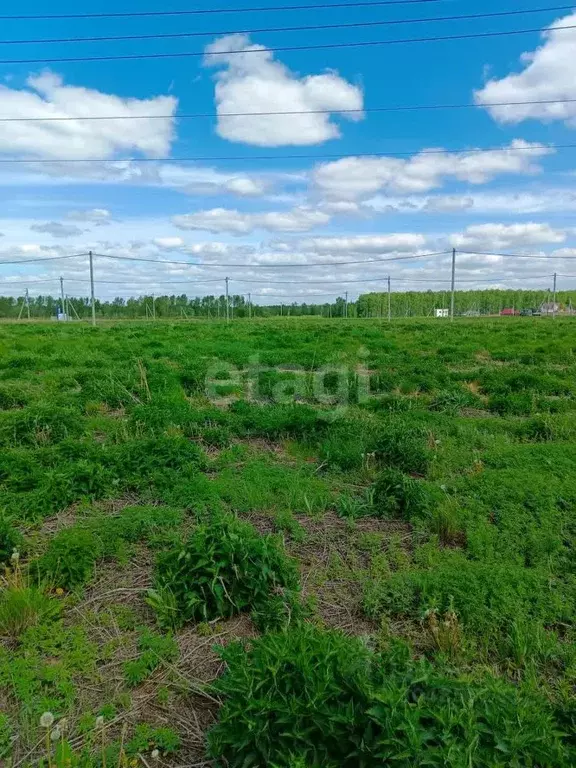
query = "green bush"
x=70 y=558
x=488 y=597
x=398 y=495
x=318 y=698
x=10 y=539
x=22 y=607
x=142 y=464
x=224 y=568
x=404 y=447
x=39 y=425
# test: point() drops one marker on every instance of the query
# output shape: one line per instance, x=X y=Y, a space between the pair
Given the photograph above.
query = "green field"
x=288 y=543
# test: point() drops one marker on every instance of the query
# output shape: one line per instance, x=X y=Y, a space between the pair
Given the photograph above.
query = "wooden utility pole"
x=389 y=300
x=63 y=299
x=554 y=298
x=227 y=303
x=453 y=285
x=92 y=298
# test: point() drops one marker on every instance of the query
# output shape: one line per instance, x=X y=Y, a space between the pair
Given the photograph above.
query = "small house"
x=550 y=308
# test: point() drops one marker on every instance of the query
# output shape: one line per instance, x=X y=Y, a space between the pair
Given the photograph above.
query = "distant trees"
x=405 y=304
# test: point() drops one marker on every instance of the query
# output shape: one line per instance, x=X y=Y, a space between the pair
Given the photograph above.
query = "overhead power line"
x=44 y=258
x=195 y=115
x=251 y=158
x=274 y=266
x=268 y=30
x=514 y=255
x=211 y=11
x=285 y=48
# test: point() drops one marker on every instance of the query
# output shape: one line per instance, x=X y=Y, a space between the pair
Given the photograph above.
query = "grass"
x=360 y=552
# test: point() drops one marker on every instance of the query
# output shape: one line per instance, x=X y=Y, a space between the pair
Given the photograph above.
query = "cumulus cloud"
x=400 y=242
x=353 y=178
x=507 y=202
x=168 y=243
x=300 y=219
x=255 y=82
x=57 y=229
x=46 y=95
x=549 y=73
x=496 y=237
x=98 y=216
x=245 y=186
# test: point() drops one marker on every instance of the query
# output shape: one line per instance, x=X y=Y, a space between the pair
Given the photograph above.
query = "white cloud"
x=448 y=203
x=549 y=73
x=190 y=180
x=168 y=243
x=400 y=242
x=245 y=186
x=352 y=178
x=507 y=202
x=300 y=219
x=485 y=237
x=57 y=229
x=98 y=216
x=255 y=82
x=46 y=95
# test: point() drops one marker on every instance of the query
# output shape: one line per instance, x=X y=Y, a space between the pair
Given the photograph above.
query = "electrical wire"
x=285 y=48
x=202 y=11
x=275 y=266
x=47 y=258
x=196 y=115
x=267 y=30
x=515 y=255
x=253 y=158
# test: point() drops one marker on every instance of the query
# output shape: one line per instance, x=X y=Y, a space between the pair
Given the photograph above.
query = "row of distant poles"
x=228 y=313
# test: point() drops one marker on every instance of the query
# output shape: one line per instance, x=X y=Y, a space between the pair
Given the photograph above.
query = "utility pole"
x=62 y=297
x=453 y=285
x=554 y=299
x=27 y=304
x=92 y=299
x=346 y=304
x=227 y=303
x=389 y=301
x=154 y=306
x=250 y=305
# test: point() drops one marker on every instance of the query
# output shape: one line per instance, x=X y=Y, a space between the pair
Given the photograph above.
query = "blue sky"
x=263 y=212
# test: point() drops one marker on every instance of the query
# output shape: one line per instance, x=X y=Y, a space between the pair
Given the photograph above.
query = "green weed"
x=224 y=568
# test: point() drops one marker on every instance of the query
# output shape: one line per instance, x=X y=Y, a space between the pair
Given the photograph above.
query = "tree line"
x=402 y=304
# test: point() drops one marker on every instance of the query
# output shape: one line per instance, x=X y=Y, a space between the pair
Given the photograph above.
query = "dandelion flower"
x=59 y=591
x=99 y=721
x=47 y=720
x=63 y=724
x=55 y=735
x=15 y=557
x=155 y=754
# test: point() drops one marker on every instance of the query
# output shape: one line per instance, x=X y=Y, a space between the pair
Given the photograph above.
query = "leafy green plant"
x=398 y=495
x=224 y=568
x=10 y=540
x=154 y=649
x=147 y=738
x=403 y=447
x=327 y=700
x=70 y=558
